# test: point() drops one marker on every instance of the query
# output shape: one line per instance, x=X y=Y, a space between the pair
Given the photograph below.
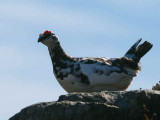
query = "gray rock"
x=124 y=105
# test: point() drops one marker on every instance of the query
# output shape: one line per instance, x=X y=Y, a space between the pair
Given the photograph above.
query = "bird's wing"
x=97 y=70
x=107 y=65
x=103 y=63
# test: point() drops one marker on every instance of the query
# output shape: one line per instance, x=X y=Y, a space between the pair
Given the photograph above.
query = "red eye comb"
x=47 y=32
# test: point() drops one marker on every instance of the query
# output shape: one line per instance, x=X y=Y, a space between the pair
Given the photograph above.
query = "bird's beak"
x=40 y=38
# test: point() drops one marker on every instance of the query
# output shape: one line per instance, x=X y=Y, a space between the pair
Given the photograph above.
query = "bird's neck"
x=57 y=54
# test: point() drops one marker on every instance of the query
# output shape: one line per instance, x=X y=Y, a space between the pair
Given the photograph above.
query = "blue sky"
x=96 y=28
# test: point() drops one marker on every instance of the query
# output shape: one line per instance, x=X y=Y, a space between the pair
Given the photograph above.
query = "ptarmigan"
x=91 y=74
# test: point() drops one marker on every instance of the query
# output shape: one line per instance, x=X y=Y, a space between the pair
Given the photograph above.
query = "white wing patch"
x=99 y=74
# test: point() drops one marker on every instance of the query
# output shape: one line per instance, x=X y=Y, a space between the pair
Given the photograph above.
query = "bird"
x=93 y=74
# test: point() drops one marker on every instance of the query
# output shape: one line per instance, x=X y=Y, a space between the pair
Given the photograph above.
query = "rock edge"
x=110 y=105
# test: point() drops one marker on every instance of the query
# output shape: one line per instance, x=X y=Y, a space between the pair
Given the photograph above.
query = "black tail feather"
x=137 y=53
x=132 y=50
x=142 y=50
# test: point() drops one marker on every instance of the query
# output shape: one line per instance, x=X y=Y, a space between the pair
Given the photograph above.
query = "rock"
x=156 y=87
x=122 y=105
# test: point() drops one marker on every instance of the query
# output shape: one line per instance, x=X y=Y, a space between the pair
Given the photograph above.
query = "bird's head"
x=48 y=38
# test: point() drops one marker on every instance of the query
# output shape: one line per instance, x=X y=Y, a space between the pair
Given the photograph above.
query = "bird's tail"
x=136 y=52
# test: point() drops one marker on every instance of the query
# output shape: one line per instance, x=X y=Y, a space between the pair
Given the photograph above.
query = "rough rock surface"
x=124 y=105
